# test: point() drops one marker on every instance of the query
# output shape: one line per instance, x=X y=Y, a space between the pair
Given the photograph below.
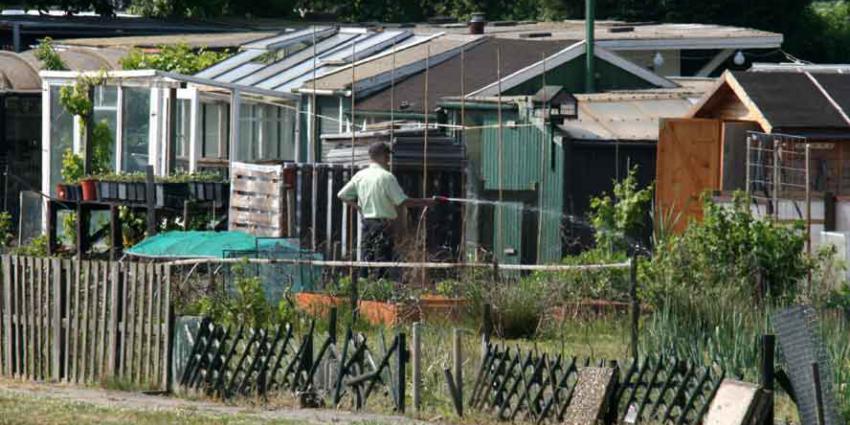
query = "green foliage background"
x=818 y=31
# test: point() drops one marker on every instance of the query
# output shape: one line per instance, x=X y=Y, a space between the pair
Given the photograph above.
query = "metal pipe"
x=589 y=18
x=403 y=265
x=416 y=350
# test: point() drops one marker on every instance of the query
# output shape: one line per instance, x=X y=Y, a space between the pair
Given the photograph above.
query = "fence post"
x=457 y=356
x=767 y=372
x=7 y=317
x=402 y=365
x=150 y=203
x=635 y=306
x=354 y=274
x=487 y=330
x=332 y=325
x=58 y=302
x=417 y=363
x=818 y=393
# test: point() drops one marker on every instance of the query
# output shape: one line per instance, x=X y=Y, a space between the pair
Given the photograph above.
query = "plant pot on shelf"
x=221 y=192
x=102 y=191
x=62 y=192
x=171 y=195
x=89 y=189
x=123 y=194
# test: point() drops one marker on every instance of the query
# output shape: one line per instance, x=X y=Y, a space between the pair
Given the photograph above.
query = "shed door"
x=688 y=164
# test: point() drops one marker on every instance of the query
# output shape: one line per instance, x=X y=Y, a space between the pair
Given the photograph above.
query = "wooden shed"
x=708 y=149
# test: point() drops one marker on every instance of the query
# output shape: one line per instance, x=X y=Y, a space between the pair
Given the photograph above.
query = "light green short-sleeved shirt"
x=376 y=190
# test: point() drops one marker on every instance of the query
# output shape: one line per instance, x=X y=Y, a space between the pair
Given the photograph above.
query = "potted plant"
x=72 y=172
x=89 y=189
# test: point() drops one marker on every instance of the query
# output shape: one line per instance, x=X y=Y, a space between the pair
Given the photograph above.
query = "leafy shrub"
x=246 y=304
x=730 y=249
x=379 y=290
x=519 y=307
x=69 y=227
x=37 y=247
x=133 y=226
x=179 y=58
x=617 y=220
x=6 y=230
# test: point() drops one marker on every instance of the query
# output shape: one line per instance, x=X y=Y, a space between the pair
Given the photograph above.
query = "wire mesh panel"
x=778 y=171
x=796 y=328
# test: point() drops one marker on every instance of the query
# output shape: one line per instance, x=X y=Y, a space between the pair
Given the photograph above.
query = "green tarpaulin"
x=205 y=244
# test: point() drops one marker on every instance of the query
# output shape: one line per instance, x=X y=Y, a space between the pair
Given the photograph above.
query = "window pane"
x=137 y=106
x=181 y=137
x=211 y=125
x=61 y=136
x=105 y=121
x=245 y=142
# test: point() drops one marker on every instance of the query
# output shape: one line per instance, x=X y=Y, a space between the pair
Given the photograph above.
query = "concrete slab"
x=592 y=390
x=736 y=403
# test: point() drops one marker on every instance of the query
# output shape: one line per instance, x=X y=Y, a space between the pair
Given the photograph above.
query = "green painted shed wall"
x=327 y=120
x=550 y=202
x=570 y=75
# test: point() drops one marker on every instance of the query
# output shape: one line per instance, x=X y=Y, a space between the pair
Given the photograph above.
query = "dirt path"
x=139 y=401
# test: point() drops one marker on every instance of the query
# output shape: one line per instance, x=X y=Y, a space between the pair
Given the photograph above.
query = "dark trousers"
x=377 y=246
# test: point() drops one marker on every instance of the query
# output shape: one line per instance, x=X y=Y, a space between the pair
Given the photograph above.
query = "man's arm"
x=401 y=200
x=418 y=202
x=348 y=194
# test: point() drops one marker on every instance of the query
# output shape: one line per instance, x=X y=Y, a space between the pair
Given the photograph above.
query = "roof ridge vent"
x=539 y=34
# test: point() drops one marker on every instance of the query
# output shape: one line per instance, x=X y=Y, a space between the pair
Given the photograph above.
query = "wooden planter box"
x=590 y=309
x=317 y=304
x=440 y=308
x=382 y=313
x=387 y=313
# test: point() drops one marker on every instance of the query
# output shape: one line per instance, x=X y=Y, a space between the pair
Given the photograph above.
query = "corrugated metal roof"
x=437 y=49
x=206 y=40
x=625 y=116
x=16 y=74
x=480 y=69
x=19 y=71
x=285 y=61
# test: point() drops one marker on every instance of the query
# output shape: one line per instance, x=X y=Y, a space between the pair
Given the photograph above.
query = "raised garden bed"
x=438 y=307
x=317 y=304
x=388 y=313
x=428 y=308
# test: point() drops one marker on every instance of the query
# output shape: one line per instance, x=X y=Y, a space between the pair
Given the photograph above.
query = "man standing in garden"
x=375 y=192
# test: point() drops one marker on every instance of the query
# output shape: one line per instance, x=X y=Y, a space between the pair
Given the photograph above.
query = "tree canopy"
x=813 y=30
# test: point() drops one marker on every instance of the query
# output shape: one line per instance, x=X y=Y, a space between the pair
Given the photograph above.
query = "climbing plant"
x=75 y=99
x=48 y=56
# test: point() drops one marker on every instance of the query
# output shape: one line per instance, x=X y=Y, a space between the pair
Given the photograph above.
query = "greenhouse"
x=169 y=121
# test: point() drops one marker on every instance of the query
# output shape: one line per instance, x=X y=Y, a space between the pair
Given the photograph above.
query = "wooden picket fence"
x=85 y=321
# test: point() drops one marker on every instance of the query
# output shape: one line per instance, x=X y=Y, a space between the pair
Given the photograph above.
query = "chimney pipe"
x=589 y=39
x=476 y=23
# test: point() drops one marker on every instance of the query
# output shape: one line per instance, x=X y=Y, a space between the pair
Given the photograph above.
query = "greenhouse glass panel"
x=136 y=136
x=105 y=120
x=181 y=137
x=61 y=136
x=211 y=116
